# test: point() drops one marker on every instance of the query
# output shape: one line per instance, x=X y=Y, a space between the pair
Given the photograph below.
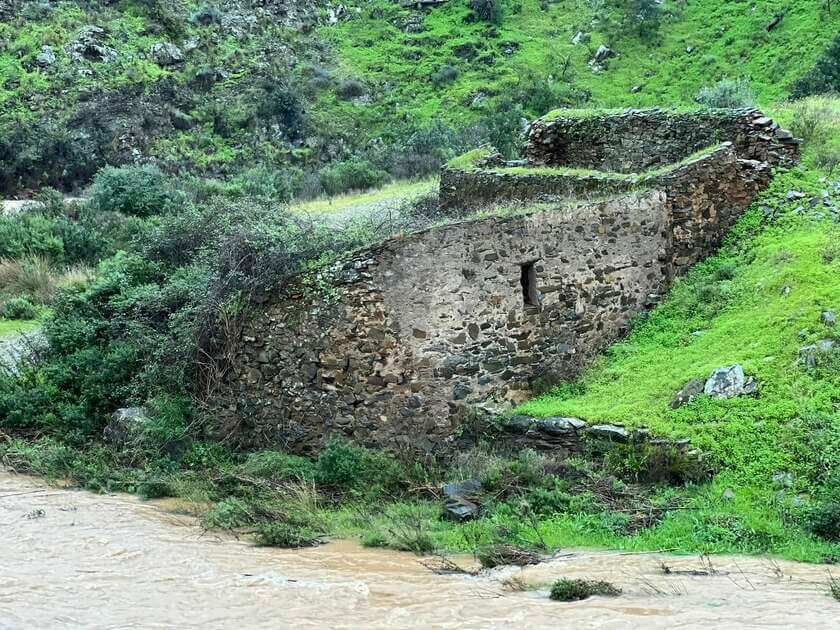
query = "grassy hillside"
x=142 y=282
x=374 y=90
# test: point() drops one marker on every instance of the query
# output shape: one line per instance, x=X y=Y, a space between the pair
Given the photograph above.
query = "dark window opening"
x=528 y=278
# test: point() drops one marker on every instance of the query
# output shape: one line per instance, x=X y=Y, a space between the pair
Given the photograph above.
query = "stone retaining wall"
x=421 y=328
x=415 y=333
x=635 y=141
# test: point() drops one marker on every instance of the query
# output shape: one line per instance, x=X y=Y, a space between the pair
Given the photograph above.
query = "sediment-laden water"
x=73 y=559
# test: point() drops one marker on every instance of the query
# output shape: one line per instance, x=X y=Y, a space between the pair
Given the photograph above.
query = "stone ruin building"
x=422 y=328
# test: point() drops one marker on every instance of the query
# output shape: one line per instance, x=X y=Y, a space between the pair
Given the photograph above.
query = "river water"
x=72 y=559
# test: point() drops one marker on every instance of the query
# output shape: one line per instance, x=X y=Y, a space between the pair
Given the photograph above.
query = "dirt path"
x=73 y=559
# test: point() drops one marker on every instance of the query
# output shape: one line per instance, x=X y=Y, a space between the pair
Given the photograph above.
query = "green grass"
x=11 y=327
x=396 y=191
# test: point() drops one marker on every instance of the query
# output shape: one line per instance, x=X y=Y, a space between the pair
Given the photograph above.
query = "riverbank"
x=88 y=560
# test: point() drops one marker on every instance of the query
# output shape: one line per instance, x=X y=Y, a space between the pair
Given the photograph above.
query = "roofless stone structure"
x=419 y=329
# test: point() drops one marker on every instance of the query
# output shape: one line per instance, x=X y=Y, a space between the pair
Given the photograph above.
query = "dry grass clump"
x=34 y=277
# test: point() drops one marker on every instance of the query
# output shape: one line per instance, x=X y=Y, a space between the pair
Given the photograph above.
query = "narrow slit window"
x=528 y=278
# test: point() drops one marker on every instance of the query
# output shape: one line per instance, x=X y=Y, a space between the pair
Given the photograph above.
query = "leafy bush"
x=262 y=181
x=281 y=104
x=354 y=174
x=139 y=191
x=229 y=513
x=351 y=88
x=446 y=74
x=18 y=308
x=286 y=535
x=487 y=10
x=278 y=466
x=727 y=93
x=824 y=520
x=646 y=15
x=345 y=465
x=571 y=590
x=824 y=77
x=812 y=119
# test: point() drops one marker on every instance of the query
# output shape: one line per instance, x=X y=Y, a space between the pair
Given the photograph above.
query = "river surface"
x=72 y=559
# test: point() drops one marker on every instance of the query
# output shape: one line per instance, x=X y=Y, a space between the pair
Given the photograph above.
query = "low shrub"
x=824 y=520
x=354 y=174
x=812 y=120
x=286 y=535
x=571 y=590
x=229 y=513
x=346 y=466
x=18 y=308
x=446 y=74
x=824 y=77
x=487 y=10
x=278 y=466
x=727 y=93
x=350 y=89
x=139 y=191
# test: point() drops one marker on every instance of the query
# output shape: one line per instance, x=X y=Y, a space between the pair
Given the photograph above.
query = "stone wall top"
x=634 y=141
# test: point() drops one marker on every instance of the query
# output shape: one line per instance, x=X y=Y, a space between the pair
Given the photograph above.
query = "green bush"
x=824 y=77
x=229 y=513
x=354 y=174
x=727 y=93
x=344 y=465
x=487 y=10
x=18 y=308
x=824 y=520
x=571 y=590
x=278 y=466
x=286 y=535
x=351 y=88
x=139 y=191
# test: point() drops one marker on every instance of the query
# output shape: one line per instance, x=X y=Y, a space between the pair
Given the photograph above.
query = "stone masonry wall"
x=417 y=331
x=423 y=327
x=637 y=140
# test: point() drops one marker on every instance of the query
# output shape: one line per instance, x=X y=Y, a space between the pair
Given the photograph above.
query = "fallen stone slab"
x=610 y=432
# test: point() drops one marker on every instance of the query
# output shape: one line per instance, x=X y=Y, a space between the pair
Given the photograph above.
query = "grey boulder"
x=728 y=382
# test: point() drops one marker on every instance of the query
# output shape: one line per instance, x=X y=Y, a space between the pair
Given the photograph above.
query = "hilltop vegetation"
x=336 y=98
x=141 y=282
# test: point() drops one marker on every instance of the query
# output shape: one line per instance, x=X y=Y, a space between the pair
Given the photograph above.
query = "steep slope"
x=217 y=88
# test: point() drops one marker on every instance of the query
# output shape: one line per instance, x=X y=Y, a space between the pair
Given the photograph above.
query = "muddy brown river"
x=72 y=559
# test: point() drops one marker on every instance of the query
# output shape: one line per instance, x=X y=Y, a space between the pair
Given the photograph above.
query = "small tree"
x=646 y=15
x=487 y=10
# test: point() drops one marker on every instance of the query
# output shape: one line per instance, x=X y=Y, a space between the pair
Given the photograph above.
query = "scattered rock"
x=460 y=509
x=728 y=494
x=689 y=391
x=610 y=432
x=519 y=424
x=560 y=426
x=46 y=57
x=793 y=195
x=810 y=353
x=635 y=89
x=126 y=423
x=828 y=318
x=88 y=46
x=783 y=479
x=167 y=54
x=728 y=382
x=603 y=53
x=459 y=500
x=581 y=38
